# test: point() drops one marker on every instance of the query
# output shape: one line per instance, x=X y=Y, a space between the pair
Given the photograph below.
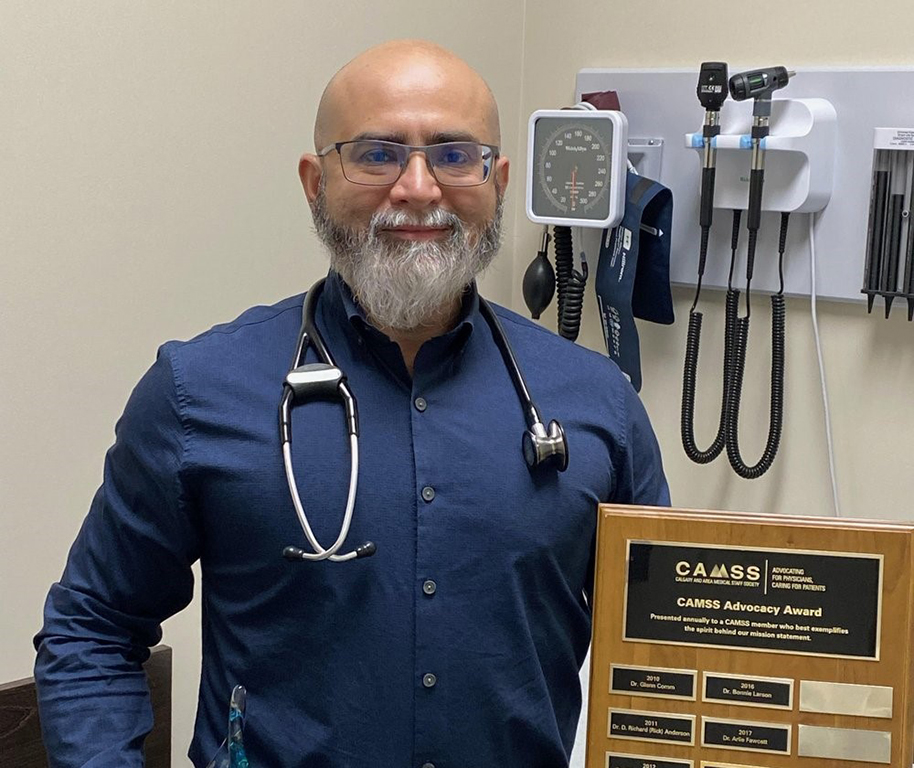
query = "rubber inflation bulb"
x=539 y=285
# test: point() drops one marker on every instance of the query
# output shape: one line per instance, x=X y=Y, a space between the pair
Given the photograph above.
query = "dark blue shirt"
x=457 y=645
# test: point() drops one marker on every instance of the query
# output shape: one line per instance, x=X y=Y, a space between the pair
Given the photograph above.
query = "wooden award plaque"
x=738 y=640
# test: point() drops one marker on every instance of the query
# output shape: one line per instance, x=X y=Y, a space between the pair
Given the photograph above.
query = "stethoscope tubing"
x=320 y=553
x=327 y=379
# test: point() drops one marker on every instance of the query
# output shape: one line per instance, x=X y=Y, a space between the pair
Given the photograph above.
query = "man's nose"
x=416 y=187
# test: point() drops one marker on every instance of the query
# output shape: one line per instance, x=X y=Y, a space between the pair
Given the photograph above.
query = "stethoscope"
x=326 y=381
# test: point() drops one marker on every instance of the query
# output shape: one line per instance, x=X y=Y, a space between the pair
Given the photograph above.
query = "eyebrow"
x=441 y=137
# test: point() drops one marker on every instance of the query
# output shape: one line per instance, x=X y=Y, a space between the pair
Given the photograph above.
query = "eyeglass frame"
x=412 y=148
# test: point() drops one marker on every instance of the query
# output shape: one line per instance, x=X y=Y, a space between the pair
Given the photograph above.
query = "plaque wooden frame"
x=891 y=667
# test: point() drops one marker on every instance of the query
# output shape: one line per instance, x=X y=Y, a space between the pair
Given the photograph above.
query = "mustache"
x=437 y=218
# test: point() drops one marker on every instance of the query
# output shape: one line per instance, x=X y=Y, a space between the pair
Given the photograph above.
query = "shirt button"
x=420 y=403
x=428 y=493
x=429 y=587
x=428 y=765
x=429 y=680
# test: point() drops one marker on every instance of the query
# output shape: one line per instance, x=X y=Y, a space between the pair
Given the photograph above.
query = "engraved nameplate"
x=651 y=726
x=748 y=690
x=758 y=599
x=615 y=760
x=653 y=681
x=748 y=736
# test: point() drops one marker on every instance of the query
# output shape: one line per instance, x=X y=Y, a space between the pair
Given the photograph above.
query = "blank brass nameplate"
x=844 y=744
x=846 y=699
x=714 y=764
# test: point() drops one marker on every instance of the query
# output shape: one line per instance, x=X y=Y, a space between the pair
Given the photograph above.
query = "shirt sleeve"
x=640 y=479
x=128 y=570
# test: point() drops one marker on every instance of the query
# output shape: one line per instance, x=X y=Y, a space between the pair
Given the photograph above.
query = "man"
x=459 y=642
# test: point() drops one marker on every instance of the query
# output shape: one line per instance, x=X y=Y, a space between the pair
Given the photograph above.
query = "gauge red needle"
x=574 y=188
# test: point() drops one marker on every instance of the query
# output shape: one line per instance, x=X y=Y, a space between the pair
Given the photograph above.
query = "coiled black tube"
x=690 y=374
x=570 y=284
x=690 y=367
x=776 y=414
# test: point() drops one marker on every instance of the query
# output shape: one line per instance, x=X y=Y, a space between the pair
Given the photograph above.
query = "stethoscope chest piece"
x=541 y=447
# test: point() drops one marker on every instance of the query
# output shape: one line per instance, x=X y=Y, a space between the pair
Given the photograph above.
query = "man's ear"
x=502 y=172
x=310 y=171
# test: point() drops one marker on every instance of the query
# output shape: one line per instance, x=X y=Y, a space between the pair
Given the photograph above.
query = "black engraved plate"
x=773 y=600
x=747 y=736
x=653 y=681
x=651 y=726
x=773 y=692
x=615 y=760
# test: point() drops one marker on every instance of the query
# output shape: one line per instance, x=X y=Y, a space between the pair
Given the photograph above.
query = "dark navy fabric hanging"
x=633 y=273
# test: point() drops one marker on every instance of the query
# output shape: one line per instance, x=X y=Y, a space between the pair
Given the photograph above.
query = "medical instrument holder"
x=800 y=155
x=889 y=267
x=646 y=156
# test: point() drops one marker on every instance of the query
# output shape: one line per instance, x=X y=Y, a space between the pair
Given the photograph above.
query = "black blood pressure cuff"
x=633 y=273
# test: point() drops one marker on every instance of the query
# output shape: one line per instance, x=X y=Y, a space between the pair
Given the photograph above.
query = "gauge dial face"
x=572 y=167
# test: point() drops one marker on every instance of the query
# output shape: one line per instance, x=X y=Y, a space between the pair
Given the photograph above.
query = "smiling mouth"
x=417 y=233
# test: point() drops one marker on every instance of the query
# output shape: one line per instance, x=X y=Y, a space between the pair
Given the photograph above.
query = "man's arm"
x=639 y=471
x=129 y=569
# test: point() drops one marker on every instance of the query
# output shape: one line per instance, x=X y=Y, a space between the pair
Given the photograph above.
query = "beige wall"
x=149 y=190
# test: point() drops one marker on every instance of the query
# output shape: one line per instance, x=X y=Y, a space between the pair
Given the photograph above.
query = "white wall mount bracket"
x=661 y=104
x=799 y=155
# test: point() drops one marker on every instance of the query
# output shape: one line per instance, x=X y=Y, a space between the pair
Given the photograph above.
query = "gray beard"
x=409 y=284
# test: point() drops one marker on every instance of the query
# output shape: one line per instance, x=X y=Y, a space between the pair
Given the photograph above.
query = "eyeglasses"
x=379 y=163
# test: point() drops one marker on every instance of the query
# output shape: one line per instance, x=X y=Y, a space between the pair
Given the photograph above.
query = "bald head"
x=412 y=75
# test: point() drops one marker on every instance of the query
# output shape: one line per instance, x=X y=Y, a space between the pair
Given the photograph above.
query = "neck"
x=410 y=341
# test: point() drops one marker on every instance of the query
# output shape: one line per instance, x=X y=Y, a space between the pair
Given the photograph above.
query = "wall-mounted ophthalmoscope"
x=712 y=92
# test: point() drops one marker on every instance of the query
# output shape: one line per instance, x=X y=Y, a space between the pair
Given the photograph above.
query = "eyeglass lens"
x=455 y=163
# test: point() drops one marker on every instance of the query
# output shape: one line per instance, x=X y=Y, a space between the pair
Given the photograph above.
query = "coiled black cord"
x=690 y=367
x=738 y=360
x=570 y=284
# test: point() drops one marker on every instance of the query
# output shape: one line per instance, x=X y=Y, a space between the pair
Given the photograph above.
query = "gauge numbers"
x=572 y=170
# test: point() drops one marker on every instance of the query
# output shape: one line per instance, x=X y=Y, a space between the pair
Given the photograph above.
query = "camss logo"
x=735 y=571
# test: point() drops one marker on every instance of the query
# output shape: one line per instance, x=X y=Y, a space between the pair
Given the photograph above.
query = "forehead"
x=415 y=102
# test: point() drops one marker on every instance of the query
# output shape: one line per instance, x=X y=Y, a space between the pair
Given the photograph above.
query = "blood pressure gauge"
x=576 y=161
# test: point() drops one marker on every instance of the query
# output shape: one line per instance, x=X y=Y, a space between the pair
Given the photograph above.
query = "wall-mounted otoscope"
x=759 y=85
